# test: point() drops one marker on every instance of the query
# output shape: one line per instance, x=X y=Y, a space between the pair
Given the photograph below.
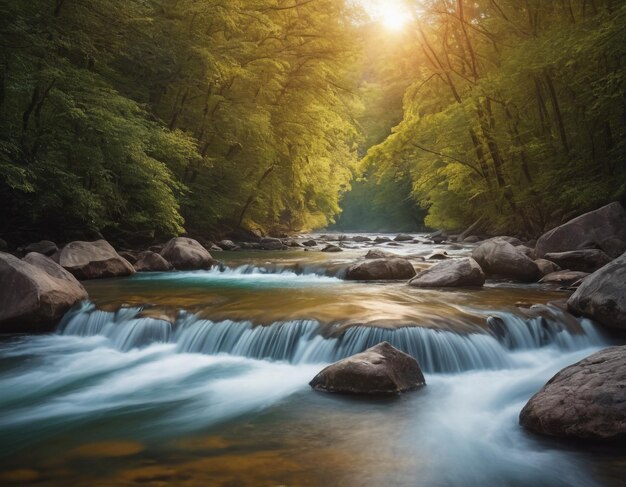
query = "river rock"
x=600 y=228
x=451 y=273
x=379 y=254
x=514 y=241
x=227 y=245
x=130 y=256
x=546 y=267
x=309 y=243
x=471 y=239
x=92 y=260
x=151 y=262
x=45 y=247
x=527 y=251
x=332 y=248
x=381 y=270
x=35 y=293
x=187 y=254
x=586 y=260
x=269 y=243
x=586 y=400
x=380 y=370
x=382 y=239
x=403 y=237
x=602 y=295
x=439 y=256
x=361 y=238
x=564 y=278
x=498 y=257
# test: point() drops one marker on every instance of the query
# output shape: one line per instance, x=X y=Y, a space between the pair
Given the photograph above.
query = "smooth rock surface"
x=45 y=247
x=35 y=293
x=379 y=254
x=546 y=267
x=586 y=400
x=451 y=273
x=151 y=262
x=381 y=270
x=603 y=228
x=380 y=370
x=187 y=254
x=498 y=257
x=269 y=243
x=564 y=278
x=92 y=260
x=602 y=295
x=585 y=260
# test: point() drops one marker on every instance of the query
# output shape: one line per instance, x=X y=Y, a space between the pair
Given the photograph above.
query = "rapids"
x=201 y=378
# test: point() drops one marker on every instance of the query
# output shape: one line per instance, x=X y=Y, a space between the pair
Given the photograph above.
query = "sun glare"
x=394 y=17
x=392 y=14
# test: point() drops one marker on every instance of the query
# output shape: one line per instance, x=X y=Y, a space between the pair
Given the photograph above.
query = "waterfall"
x=307 y=341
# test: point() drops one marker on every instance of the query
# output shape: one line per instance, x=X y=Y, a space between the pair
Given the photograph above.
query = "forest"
x=142 y=119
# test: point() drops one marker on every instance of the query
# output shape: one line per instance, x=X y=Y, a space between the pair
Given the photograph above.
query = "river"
x=201 y=378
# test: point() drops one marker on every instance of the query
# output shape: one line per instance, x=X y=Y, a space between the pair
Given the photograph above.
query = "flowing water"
x=201 y=378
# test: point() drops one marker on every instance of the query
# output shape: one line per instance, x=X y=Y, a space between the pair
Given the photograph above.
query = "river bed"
x=219 y=395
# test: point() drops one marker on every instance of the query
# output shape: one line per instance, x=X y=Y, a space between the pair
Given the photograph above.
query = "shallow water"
x=219 y=395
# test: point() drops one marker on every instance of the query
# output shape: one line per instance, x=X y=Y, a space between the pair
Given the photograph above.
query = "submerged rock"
x=586 y=260
x=602 y=295
x=92 y=260
x=586 y=400
x=187 y=254
x=35 y=293
x=452 y=273
x=381 y=270
x=498 y=257
x=603 y=228
x=151 y=262
x=380 y=370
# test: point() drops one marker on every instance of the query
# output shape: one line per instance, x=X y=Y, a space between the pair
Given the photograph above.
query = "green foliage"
x=141 y=119
x=515 y=113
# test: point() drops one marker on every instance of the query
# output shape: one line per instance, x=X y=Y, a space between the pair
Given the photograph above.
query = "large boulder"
x=187 y=254
x=92 y=260
x=379 y=370
x=45 y=247
x=151 y=262
x=603 y=228
x=498 y=257
x=602 y=295
x=585 y=260
x=586 y=400
x=35 y=293
x=381 y=270
x=451 y=273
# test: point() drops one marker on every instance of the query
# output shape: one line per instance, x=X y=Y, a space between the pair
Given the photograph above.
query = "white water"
x=460 y=430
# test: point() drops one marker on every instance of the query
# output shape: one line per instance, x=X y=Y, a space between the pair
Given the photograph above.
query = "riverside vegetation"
x=137 y=120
